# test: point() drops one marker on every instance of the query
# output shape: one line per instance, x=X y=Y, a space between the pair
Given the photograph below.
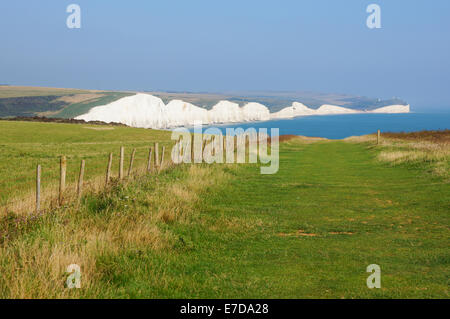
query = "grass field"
x=24 y=145
x=7 y=91
x=225 y=231
x=52 y=102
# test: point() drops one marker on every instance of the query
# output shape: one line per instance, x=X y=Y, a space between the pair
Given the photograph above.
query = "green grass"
x=225 y=231
x=248 y=243
x=397 y=218
x=24 y=145
x=7 y=91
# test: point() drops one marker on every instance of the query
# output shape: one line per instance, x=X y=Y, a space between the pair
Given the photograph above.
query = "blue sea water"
x=341 y=126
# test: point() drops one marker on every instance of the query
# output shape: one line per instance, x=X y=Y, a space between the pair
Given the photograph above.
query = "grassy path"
x=309 y=231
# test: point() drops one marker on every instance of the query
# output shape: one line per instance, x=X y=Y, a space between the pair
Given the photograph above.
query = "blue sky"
x=211 y=45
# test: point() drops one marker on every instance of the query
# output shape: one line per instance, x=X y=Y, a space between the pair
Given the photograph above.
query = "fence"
x=154 y=163
x=153 y=158
x=158 y=166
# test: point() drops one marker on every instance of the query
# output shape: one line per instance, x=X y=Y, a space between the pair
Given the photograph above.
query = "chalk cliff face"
x=180 y=113
x=228 y=112
x=333 y=109
x=255 y=112
x=393 y=109
x=297 y=109
x=148 y=111
x=140 y=110
x=225 y=112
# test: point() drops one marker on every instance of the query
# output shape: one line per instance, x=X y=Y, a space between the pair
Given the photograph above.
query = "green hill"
x=52 y=102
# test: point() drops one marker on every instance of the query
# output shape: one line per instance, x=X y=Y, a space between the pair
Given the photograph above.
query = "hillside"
x=70 y=103
x=220 y=231
x=51 y=102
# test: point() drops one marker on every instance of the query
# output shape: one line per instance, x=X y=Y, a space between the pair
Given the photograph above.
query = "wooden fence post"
x=156 y=156
x=149 y=163
x=192 y=148
x=162 y=157
x=80 y=181
x=203 y=148
x=180 y=151
x=62 y=178
x=38 y=188
x=378 y=137
x=131 y=161
x=108 y=169
x=121 y=163
x=224 y=148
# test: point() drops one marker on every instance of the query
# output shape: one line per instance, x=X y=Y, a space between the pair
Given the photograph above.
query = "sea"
x=342 y=126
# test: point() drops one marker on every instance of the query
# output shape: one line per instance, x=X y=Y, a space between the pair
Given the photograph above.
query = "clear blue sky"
x=212 y=45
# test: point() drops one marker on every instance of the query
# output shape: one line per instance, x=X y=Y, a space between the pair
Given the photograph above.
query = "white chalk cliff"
x=392 y=109
x=148 y=111
x=297 y=109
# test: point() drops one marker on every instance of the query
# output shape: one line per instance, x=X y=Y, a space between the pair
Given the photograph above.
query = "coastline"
x=148 y=111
